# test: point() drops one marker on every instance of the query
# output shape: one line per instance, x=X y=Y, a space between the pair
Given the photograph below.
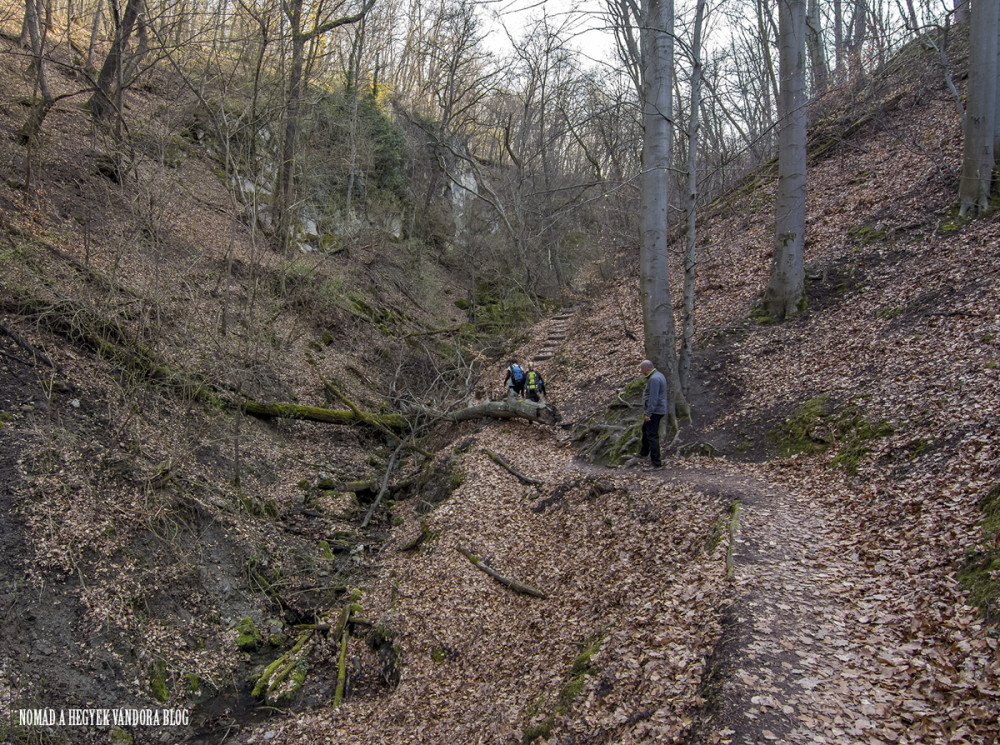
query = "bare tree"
x=36 y=36
x=817 y=52
x=980 y=115
x=111 y=81
x=691 y=209
x=327 y=19
x=785 y=288
x=657 y=48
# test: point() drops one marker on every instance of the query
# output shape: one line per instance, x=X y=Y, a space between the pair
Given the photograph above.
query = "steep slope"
x=766 y=596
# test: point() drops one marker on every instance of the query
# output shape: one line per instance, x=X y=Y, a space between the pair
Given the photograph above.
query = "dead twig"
x=503 y=463
x=512 y=584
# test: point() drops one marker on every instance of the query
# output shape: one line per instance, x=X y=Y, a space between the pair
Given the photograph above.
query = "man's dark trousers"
x=650 y=444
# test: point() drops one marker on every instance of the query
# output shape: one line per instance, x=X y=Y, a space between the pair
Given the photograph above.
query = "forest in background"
x=174 y=551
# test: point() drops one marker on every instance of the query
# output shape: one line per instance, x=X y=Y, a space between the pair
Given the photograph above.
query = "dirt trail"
x=775 y=675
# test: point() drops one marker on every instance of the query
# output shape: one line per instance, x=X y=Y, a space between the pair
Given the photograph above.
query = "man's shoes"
x=654 y=467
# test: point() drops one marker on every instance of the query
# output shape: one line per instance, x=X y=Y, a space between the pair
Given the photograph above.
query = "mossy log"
x=372 y=420
x=27 y=346
x=319 y=414
x=509 y=408
x=340 y=631
x=338 y=695
x=110 y=338
x=277 y=671
x=512 y=584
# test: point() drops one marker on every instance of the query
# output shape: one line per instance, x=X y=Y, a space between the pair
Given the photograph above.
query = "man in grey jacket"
x=654 y=407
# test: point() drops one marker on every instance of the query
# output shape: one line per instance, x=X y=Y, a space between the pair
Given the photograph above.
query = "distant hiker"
x=534 y=386
x=654 y=407
x=514 y=379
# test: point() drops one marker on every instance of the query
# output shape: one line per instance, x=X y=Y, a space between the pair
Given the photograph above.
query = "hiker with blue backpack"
x=514 y=380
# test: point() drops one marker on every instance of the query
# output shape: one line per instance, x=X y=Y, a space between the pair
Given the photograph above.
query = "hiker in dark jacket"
x=654 y=407
x=514 y=379
x=534 y=386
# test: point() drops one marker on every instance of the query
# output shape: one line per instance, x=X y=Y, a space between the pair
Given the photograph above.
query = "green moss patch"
x=158 y=681
x=248 y=636
x=978 y=572
x=576 y=680
x=818 y=424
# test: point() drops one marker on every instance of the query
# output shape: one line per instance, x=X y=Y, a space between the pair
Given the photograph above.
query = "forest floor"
x=826 y=579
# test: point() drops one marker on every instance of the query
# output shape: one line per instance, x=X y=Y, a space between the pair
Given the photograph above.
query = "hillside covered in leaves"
x=816 y=564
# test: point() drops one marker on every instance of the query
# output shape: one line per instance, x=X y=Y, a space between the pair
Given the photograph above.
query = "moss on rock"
x=248 y=636
x=158 y=680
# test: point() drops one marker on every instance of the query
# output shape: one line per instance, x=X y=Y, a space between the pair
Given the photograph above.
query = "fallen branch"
x=502 y=462
x=513 y=584
x=385 y=484
x=340 y=631
x=338 y=695
x=370 y=419
x=26 y=346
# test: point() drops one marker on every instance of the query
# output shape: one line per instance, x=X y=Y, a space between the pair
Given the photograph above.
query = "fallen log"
x=503 y=463
x=340 y=633
x=509 y=408
x=513 y=584
x=319 y=414
x=27 y=346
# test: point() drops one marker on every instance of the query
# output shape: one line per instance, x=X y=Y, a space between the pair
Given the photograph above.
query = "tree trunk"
x=856 y=34
x=980 y=114
x=510 y=408
x=785 y=288
x=319 y=414
x=770 y=88
x=962 y=14
x=657 y=41
x=36 y=36
x=687 y=336
x=101 y=103
x=283 y=195
x=814 y=43
x=94 y=29
x=838 y=37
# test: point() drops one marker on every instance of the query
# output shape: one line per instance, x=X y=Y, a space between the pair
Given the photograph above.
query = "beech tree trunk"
x=687 y=335
x=786 y=286
x=657 y=44
x=510 y=408
x=980 y=114
x=814 y=43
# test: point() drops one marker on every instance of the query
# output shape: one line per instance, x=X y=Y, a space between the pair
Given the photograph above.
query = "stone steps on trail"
x=558 y=333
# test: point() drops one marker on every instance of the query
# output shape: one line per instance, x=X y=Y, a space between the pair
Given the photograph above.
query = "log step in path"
x=558 y=331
